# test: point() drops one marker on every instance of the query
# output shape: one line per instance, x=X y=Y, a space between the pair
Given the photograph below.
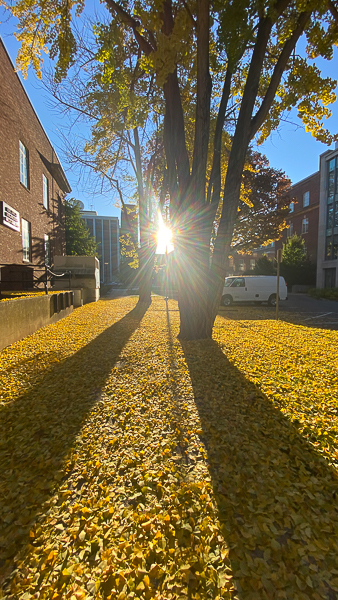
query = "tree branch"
x=215 y=176
x=127 y=19
x=333 y=10
x=189 y=13
x=203 y=101
x=289 y=46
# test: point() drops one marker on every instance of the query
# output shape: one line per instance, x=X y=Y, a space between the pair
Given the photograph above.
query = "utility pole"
x=166 y=274
x=279 y=260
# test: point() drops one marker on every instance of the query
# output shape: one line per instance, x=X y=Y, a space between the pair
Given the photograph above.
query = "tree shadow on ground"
x=37 y=431
x=178 y=416
x=276 y=496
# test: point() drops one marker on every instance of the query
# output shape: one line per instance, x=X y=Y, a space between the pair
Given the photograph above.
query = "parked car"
x=253 y=288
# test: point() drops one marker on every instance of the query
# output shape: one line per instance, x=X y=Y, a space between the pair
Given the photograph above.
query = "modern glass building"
x=327 y=260
x=105 y=230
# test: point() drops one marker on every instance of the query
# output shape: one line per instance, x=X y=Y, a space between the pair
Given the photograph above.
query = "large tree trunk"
x=192 y=271
x=146 y=266
x=147 y=249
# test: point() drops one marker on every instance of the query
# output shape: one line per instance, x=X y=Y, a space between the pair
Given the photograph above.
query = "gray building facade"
x=105 y=230
x=327 y=258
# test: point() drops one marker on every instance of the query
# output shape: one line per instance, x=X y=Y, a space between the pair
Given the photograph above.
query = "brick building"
x=303 y=220
x=243 y=263
x=304 y=216
x=32 y=185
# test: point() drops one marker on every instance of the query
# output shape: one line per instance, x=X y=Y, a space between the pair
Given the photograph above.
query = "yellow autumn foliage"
x=136 y=466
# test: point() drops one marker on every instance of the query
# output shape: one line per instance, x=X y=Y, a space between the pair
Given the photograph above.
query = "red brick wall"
x=18 y=121
x=310 y=184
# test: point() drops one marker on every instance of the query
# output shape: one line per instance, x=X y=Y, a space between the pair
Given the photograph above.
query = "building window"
x=305 y=225
x=290 y=230
x=45 y=191
x=47 y=250
x=328 y=248
x=306 y=199
x=23 y=164
x=330 y=278
x=252 y=264
x=331 y=249
x=59 y=202
x=26 y=240
x=241 y=264
x=231 y=261
x=335 y=246
x=329 y=223
x=292 y=207
x=331 y=180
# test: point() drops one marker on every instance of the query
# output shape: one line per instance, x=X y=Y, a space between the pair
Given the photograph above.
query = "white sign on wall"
x=10 y=217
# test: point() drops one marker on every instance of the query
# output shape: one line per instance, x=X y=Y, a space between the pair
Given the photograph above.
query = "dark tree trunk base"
x=144 y=303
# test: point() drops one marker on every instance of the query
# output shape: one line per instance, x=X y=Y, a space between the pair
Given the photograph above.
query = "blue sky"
x=290 y=148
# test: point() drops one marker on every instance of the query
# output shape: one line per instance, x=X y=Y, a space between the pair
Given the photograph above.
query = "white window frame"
x=292 y=207
x=45 y=192
x=241 y=264
x=23 y=164
x=252 y=263
x=305 y=225
x=289 y=232
x=306 y=199
x=26 y=240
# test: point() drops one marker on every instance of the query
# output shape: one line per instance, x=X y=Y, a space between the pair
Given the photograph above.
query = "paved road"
x=313 y=312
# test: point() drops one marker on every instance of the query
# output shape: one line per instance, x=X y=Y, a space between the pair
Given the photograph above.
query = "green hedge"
x=328 y=293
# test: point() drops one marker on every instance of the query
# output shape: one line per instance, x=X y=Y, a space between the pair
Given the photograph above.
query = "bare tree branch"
x=126 y=18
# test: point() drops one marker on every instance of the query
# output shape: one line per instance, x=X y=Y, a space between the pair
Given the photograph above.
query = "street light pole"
x=279 y=260
x=166 y=273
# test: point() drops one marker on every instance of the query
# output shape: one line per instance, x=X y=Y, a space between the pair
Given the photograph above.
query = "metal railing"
x=28 y=278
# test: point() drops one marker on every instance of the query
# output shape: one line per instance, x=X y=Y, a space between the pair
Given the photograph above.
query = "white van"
x=253 y=288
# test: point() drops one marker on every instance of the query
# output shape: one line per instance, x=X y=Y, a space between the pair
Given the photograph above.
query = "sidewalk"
x=134 y=466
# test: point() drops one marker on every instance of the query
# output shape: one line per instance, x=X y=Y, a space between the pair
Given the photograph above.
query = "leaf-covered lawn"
x=134 y=466
x=17 y=295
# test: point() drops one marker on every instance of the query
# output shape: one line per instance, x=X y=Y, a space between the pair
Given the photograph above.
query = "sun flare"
x=164 y=237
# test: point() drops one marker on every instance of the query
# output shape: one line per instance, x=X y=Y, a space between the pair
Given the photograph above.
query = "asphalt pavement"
x=312 y=311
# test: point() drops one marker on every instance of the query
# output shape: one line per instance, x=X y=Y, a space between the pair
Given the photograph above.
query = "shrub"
x=327 y=293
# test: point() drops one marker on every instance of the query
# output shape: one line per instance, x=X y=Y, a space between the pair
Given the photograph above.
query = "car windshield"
x=228 y=281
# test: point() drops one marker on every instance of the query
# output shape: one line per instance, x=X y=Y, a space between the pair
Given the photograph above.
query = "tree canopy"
x=226 y=73
x=294 y=252
x=263 y=207
x=79 y=242
x=296 y=266
x=264 y=266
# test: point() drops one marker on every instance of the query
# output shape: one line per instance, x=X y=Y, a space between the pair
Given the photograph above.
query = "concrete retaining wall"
x=21 y=317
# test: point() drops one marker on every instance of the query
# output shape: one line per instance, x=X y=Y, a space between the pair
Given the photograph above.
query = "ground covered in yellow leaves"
x=6 y=296
x=135 y=466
